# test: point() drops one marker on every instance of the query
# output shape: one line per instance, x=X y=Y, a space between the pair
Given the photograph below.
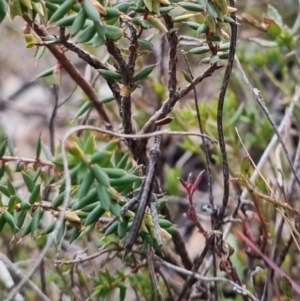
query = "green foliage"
x=106 y=283
x=91 y=22
x=104 y=172
x=100 y=181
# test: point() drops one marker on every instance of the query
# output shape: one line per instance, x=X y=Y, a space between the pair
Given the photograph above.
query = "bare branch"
x=153 y=276
x=96 y=63
x=144 y=195
x=87 y=258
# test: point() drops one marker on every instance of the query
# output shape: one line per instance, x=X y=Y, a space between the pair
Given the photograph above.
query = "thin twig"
x=43 y=277
x=233 y=40
x=55 y=89
x=263 y=223
x=178 y=241
x=144 y=195
x=285 y=251
x=274 y=139
x=110 y=133
x=139 y=136
x=70 y=68
x=68 y=96
x=95 y=63
x=153 y=276
x=26 y=160
x=81 y=260
x=168 y=105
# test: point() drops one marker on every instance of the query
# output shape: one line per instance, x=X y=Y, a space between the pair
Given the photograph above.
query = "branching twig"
x=168 y=105
x=127 y=70
x=96 y=63
x=70 y=68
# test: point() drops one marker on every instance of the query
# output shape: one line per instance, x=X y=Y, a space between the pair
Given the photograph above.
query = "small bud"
x=231 y=9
